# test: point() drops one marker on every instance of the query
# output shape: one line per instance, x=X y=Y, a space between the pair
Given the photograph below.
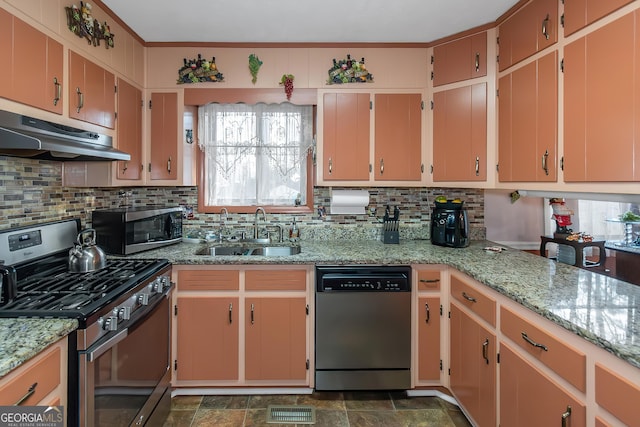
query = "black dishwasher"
x=363 y=328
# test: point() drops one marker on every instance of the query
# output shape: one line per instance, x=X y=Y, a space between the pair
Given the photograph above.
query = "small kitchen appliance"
x=124 y=319
x=127 y=230
x=449 y=224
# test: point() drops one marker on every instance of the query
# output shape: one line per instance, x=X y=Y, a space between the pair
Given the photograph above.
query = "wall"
x=31 y=192
x=518 y=224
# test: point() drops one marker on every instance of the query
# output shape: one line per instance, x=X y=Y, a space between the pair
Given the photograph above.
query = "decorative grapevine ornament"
x=254 y=67
x=287 y=82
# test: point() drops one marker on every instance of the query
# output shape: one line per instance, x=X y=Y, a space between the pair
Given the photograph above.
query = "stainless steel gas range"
x=119 y=356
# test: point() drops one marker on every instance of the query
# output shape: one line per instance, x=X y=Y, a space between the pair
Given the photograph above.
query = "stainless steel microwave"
x=124 y=231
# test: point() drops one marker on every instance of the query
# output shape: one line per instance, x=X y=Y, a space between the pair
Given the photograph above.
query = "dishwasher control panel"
x=363 y=279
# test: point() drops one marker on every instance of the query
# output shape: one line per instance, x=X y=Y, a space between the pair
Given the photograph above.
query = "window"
x=255 y=155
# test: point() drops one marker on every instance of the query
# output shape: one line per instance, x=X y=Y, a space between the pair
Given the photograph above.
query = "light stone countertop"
x=21 y=339
x=602 y=310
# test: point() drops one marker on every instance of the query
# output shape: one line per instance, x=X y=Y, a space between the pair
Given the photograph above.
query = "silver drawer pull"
x=27 y=395
x=566 y=415
x=429 y=280
x=485 y=350
x=468 y=298
x=533 y=343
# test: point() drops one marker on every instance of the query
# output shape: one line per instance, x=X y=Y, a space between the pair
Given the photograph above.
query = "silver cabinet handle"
x=169 y=165
x=80 y=99
x=427 y=312
x=545 y=31
x=566 y=415
x=485 y=350
x=27 y=395
x=477 y=62
x=468 y=298
x=429 y=280
x=125 y=166
x=252 y=314
x=381 y=166
x=532 y=342
x=477 y=165
x=330 y=165
x=58 y=87
x=545 y=166
x=230 y=313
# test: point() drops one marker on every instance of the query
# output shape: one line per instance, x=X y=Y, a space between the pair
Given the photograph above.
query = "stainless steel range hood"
x=24 y=136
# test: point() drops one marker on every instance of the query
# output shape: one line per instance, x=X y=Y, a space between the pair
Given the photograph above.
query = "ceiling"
x=304 y=21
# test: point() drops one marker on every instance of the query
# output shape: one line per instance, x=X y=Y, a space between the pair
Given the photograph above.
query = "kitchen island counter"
x=21 y=339
x=600 y=309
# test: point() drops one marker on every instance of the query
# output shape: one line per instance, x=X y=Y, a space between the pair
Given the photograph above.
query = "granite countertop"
x=602 y=310
x=21 y=339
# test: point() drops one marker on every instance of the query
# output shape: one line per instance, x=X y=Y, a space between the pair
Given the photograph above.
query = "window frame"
x=197 y=97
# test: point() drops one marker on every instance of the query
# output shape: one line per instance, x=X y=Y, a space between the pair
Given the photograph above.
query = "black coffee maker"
x=449 y=224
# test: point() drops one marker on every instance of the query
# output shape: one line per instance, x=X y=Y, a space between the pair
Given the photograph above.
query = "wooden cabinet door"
x=529 y=30
x=346 y=136
x=207 y=341
x=580 y=13
x=529 y=398
x=6 y=54
x=601 y=126
x=398 y=133
x=429 y=339
x=528 y=122
x=473 y=367
x=164 y=134
x=460 y=60
x=129 y=130
x=275 y=339
x=91 y=92
x=460 y=134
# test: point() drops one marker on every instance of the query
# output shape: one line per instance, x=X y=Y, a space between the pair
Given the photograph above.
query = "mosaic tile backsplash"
x=32 y=192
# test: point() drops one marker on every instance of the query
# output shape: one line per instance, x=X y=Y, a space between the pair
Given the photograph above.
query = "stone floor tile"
x=323 y=400
x=225 y=402
x=185 y=402
x=219 y=417
x=263 y=401
x=368 y=400
x=180 y=418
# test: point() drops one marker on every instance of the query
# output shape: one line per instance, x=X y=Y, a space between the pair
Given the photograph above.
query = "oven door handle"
x=94 y=354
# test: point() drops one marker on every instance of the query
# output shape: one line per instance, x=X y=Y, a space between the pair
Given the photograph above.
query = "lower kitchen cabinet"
x=429 y=359
x=207 y=338
x=241 y=326
x=40 y=381
x=473 y=367
x=528 y=397
x=275 y=339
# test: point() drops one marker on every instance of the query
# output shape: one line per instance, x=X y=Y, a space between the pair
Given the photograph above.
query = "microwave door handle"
x=102 y=348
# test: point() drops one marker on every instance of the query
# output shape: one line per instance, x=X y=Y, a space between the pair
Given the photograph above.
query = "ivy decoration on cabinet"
x=199 y=70
x=287 y=82
x=349 y=71
x=83 y=24
x=254 y=67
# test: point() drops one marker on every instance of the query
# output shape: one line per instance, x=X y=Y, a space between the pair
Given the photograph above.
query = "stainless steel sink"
x=267 y=250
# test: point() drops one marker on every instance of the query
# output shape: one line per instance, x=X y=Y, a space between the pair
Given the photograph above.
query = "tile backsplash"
x=32 y=192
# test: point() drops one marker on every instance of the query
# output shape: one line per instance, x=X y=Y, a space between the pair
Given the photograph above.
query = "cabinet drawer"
x=276 y=280
x=208 y=280
x=477 y=302
x=429 y=280
x=617 y=395
x=564 y=360
x=44 y=373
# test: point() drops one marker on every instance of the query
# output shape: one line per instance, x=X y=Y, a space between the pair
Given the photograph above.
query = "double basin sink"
x=249 y=248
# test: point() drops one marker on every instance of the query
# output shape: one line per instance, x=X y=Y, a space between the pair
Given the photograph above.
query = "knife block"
x=391 y=236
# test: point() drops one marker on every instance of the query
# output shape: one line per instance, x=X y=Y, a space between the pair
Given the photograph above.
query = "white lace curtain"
x=255 y=154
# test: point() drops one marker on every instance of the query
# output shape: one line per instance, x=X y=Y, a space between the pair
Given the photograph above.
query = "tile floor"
x=333 y=409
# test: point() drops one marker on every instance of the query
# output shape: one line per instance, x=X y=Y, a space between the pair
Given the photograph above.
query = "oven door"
x=125 y=378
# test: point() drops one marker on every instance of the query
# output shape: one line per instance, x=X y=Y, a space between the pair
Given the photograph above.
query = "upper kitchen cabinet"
x=460 y=134
x=398 y=135
x=91 y=91
x=528 y=122
x=129 y=130
x=531 y=29
x=163 y=147
x=459 y=60
x=346 y=136
x=36 y=84
x=580 y=13
x=601 y=100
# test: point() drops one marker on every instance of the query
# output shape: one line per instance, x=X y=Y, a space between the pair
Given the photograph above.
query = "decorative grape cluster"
x=287 y=82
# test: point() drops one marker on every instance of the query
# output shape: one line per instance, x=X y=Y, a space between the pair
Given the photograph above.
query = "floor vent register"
x=279 y=414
